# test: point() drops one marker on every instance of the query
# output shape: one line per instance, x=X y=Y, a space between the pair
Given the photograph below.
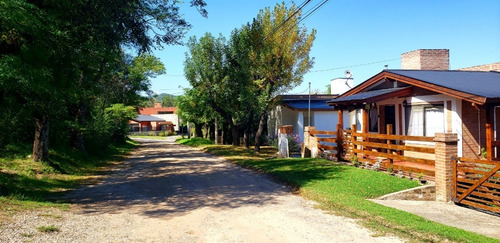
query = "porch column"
x=365 y=120
x=489 y=133
x=445 y=148
x=341 y=118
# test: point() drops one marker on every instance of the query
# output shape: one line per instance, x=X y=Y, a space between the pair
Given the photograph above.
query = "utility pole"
x=309 y=107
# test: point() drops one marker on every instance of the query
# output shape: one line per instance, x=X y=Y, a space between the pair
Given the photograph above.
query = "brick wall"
x=485 y=67
x=426 y=59
x=446 y=146
x=471 y=130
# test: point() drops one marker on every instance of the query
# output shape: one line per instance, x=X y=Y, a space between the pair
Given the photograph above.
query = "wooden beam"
x=489 y=133
x=365 y=120
x=341 y=118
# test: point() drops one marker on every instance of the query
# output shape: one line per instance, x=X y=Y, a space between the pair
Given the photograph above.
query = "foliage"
x=117 y=117
x=53 y=65
x=238 y=78
x=354 y=160
x=168 y=100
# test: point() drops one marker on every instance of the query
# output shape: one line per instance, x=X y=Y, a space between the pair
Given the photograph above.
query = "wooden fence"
x=392 y=150
x=477 y=183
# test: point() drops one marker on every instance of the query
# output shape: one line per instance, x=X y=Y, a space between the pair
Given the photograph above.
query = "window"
x=165 y=112
x=373 y=119
x=424 y=120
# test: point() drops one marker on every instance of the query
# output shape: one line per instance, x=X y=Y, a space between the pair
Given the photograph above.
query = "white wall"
x=326 y=120
x=174 y=118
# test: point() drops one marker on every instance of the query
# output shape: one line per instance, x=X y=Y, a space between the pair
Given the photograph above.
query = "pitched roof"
x=485 y=84
x=473 y=86
x=141 y=118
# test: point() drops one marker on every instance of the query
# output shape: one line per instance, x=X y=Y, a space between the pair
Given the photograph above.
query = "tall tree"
x=206 y=70
x=279 y=56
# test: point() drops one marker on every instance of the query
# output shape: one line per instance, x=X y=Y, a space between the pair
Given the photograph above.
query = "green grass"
x=48 y=229
x=194 y=142
x=26 y=185
x=149 y=137
x=344 y=190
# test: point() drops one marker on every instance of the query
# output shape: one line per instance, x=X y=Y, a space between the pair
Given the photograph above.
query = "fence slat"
x=396 y=157
x=394 y=137
x=395 y=147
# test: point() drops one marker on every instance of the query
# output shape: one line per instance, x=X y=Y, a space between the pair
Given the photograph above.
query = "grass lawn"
x=148 y=137
x=343 y=190
x=194 y=142
x=25 y=184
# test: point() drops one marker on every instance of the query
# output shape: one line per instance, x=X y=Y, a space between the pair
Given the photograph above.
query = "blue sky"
x=352 y=33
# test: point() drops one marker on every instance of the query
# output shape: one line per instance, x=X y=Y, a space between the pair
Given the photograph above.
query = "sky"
x=360 y=36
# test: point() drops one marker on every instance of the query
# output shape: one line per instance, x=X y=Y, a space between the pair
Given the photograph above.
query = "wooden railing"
x=370 y=147
x=477 y=183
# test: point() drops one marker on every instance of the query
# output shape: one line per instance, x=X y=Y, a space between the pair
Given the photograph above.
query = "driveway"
x=165 y=192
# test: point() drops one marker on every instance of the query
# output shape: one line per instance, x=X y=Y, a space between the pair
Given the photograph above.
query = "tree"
x=168 y=100
x=195 y=108
x=117 y=117
x=206 y=70
x=51 y=61
x=279 y=56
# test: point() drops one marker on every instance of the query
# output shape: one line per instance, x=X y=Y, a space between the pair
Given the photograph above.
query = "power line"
x=356 y=65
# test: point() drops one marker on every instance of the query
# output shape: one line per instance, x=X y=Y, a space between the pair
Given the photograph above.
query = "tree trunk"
x=198 y=130
x=216 y=132
x=41 y=141
x=76 y=136
x=212 y=132
x=259 y=132
x=235 y=130
x=246 y=136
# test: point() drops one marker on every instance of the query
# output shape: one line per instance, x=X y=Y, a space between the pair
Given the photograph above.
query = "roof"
x=373 y=96
x=153 y=111
x=301 y=102
x=474 y=86
x=485 y=84
x=143 y=118
x=304 y=105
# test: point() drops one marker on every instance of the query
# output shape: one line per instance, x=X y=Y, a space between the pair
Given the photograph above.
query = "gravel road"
x=165 y=192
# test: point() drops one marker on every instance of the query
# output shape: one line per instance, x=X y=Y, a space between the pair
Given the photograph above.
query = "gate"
x=477 y=183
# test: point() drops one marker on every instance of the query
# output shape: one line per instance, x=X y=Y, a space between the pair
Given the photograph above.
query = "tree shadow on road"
x=170 y=180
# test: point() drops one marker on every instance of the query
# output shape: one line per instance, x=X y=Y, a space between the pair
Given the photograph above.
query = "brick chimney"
x=157 y=105
x=426 y=59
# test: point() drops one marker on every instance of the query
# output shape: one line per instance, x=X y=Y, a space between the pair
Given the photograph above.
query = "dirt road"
x=166 y=192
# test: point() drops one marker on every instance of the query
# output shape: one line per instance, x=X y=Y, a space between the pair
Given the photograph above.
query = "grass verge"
x=26 y=185
x=149 y=137
x=194 y=142
x=344 y=190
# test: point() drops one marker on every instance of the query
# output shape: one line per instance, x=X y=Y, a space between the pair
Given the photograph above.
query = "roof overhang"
x=417 y=83
x=371 y=96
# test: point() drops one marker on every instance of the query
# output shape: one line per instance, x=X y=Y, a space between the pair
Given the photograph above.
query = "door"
x=390 y=117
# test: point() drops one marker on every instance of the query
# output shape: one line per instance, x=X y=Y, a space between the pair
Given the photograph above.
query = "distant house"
x=156 y=118
x=425 y=98
x=294 y=109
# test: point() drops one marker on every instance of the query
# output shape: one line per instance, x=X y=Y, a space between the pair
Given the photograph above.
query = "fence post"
x=310 y=145
x=354 y=129
x=339 y=142
x=389 y=132
x=445 y=148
